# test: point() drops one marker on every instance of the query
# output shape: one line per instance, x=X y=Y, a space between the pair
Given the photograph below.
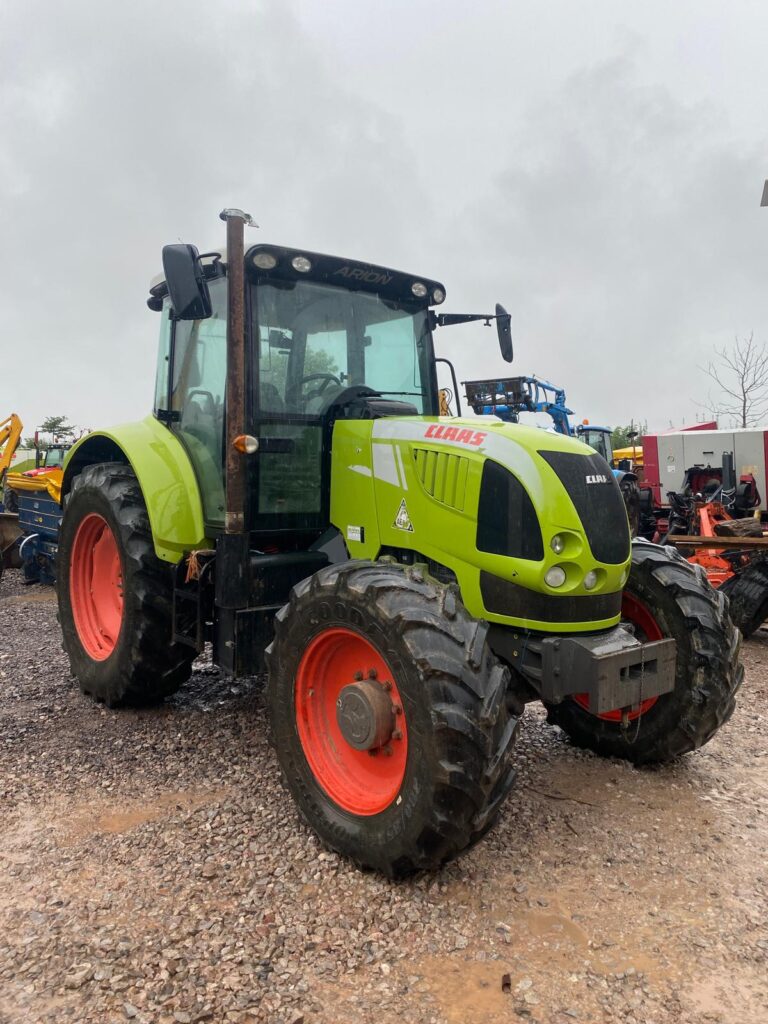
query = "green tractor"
x=409 y=582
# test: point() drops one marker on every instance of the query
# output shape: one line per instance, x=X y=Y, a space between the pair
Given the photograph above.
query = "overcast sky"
x=595 y=166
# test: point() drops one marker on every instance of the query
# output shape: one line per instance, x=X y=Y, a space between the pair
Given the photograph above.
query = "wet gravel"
x=154 y=870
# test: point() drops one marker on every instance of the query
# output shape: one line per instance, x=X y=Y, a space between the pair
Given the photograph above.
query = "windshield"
x=315 y=341
x=54 y=457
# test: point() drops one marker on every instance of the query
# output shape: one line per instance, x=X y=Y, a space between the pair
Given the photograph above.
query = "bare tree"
x=741 y=374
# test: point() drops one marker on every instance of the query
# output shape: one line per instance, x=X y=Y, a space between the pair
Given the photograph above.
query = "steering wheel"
x=326 y=378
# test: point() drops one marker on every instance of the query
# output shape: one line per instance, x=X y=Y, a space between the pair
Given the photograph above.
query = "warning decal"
x=402 y=519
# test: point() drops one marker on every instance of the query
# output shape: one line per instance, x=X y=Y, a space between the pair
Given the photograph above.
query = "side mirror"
x=504 y=331
x=186 y=282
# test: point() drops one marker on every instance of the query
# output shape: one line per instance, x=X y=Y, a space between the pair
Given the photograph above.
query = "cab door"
x=298 y=373
x=198 y=379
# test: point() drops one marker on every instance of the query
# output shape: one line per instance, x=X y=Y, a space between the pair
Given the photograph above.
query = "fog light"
x=590 y=580
x=438 y=296
x=302 y=264
x=555 y=577
x=264 y=260
x=557 y=544
x=419 y=289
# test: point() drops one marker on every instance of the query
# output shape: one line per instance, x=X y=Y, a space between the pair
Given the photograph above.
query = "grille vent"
x=443 y=476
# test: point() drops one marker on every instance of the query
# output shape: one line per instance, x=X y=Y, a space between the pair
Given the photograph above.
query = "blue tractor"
x=507 y=397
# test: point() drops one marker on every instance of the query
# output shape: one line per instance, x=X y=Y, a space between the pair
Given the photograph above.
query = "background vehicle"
x=414 y=580
x=713 y=522
x=10 y=437
x=34 y=496
x=671 y=459
x=507 y=397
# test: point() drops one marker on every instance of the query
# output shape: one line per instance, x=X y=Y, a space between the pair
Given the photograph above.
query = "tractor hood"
x=531 y=524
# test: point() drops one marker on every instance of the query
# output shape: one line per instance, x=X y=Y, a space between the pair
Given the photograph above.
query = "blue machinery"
x=507 y=397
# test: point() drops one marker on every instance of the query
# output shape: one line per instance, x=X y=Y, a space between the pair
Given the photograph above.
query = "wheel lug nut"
x=387 y=685
x=372 y=673
x=397 y=709
x=397 y=735
x=373 y=752
x=387 y=751
x=358 y=676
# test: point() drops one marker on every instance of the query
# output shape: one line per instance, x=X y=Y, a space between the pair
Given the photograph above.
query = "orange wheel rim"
x=362 y=782
x=96 y=587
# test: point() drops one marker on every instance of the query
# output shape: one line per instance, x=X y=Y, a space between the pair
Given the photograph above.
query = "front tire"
x=665 y=596
x=433 y=782
x=114 y=594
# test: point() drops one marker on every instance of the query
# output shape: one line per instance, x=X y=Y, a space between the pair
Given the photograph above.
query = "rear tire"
x=444 y=780
x=681 y=604
x=630 y=492
x=114 y=594
x=747 y=593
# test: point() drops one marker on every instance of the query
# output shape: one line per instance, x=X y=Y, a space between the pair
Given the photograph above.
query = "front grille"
x=443 y=475
x=507 y=523
x=596 y=496
x=502 y=597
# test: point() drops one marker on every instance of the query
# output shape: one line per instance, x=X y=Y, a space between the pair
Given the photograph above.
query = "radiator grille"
x=443 y=475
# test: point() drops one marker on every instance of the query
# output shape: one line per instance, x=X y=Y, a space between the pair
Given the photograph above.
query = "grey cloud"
x=631 y=240
x=618 y=220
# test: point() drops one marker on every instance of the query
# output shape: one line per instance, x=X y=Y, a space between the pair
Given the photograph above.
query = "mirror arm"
x=449 y=319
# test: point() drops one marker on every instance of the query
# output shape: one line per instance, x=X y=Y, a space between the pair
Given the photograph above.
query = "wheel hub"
x=365 y=714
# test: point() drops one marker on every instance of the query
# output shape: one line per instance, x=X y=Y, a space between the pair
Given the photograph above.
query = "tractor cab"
x=53 y=456
x=598 y=438
x=326 y=339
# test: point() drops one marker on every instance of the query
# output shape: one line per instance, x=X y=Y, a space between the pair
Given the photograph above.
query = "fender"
x=165 y=476
x=621 y=474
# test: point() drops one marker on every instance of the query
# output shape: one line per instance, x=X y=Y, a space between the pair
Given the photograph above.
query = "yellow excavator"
x=29 y=539
x=10 y=437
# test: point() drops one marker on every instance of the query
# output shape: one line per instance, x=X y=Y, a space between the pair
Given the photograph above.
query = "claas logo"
x=460 y=434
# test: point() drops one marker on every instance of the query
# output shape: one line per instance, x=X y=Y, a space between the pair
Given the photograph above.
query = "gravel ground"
x=153 y=870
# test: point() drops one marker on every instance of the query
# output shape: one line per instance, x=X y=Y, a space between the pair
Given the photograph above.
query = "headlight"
x=264 y=260
x=557 y=544
x=590 y=580
x=438 y=295
x=555 y=577
x=302 y=264
x=419 y=289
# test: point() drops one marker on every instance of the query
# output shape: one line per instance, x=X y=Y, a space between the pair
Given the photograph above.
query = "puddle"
x=89 y=821
x=551 y=925
x=468 y=991
x=730 y=997
x=47 y=596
